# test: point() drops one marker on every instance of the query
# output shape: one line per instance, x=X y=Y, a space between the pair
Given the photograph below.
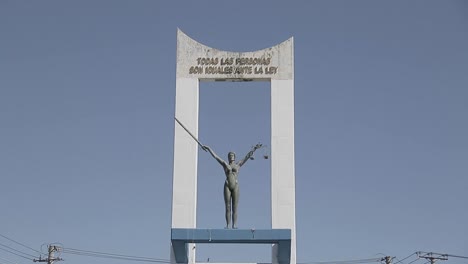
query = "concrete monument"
x=197 y=62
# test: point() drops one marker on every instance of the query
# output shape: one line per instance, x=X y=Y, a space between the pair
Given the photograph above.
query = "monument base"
x=180 y=237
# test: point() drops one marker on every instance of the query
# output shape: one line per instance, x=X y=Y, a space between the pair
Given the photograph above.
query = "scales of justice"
x=197 y=62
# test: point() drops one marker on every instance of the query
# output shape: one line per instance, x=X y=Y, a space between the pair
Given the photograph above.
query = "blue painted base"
x=181 y=236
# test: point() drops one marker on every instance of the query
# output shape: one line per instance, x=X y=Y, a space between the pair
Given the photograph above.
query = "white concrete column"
x=283 y=189
x=184 y=193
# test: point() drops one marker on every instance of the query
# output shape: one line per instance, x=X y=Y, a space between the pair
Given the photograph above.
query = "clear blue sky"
x=87 y=93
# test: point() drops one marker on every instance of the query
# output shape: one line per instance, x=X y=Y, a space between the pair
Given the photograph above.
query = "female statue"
x=231 y=186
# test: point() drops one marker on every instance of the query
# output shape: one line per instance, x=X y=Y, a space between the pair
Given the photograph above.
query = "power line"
x=445 y=255
x=112 y=255
x=15 y=254
x=9 y=261
x=414 y=261
x=6 y=262
x=21 y=252
x=20 y=244
x=455 y=256
x=108 y=254
x=432 y=257
x=355 y=261
x=401 y=261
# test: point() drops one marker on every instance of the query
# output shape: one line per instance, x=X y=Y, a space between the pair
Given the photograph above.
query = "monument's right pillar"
x=283 y=200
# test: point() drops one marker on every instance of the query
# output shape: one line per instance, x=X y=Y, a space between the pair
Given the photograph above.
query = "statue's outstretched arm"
x=216 y=157
x=246 y=158
x=250 y=154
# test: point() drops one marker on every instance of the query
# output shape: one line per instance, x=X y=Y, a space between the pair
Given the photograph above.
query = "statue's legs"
x=235 y=202
x=227 y=204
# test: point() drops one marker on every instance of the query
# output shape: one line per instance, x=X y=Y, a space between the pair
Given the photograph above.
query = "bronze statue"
x=231 y=185
x=231 y=170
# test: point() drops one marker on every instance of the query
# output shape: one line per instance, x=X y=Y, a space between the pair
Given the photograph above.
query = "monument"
x=197 y=62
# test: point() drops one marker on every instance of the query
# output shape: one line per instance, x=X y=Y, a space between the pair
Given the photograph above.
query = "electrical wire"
x=112 y=255
x=456 y=256
x=401 y=261
x=20 y=244
x=21 y=252
x=414 y=260
x=16 y=254
x=445 y=255
x=122 y=258
x=9 y=261
x=108 y=254
x=6 y=262
x=355 y=261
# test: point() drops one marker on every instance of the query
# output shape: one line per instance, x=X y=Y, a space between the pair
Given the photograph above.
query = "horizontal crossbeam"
x=180 y=237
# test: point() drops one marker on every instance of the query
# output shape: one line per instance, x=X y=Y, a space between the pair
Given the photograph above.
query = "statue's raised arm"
x=215 y=156
x=250 y=154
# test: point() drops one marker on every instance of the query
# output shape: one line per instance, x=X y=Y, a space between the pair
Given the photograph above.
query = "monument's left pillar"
x=184 y=185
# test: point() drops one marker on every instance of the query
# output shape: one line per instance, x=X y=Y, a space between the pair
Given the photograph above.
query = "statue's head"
x=231 y=156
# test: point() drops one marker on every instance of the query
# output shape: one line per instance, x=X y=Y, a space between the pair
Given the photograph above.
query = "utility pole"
x=50 y=258
x=388 y=260
x=432 y=257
